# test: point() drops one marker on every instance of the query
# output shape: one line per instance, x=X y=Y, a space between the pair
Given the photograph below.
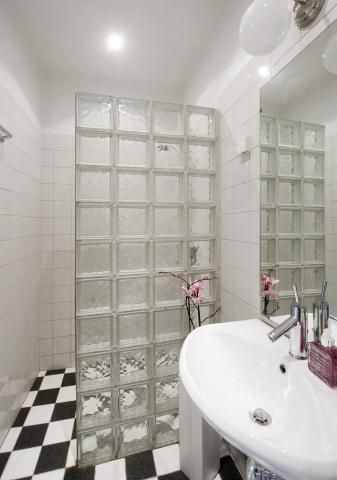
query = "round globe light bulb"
x=330 y=55
x=264 y=25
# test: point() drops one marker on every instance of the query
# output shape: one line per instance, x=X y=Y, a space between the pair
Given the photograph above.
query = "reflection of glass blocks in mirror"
x=167 y=221
x=94 y=334
x=133 y=329
x=268 y=251
x=313 y=137
x=134 y=400
x=167 y=429
x=133 y=257
x=313 y=250
x=289 y=250
x=201 y=221
x=93 y=185
x=267 y=131
x=94 y=111
x=167 y=358
x=289 y=221
x=95 y=370
x=167 y=119
x=200 y=156
x=267 y=191
x=168 y=255
x=313 y=279
x=133 y=115
x=313 y=193
x=94 y=297
x=133 y=365
x=289 y=133
x=289 y=192
x=167 y=290
x=132 y=221
x=289 y=277
x=168 y=153
x=132 y=187
x=284 y=305
x=201 y=254
x=267 y=161
x=167 y=391
x=134 y=437
x=168 y=188
x=268 y=221
x=313 y=221
x=133 y=151
x=96 y=446
x=313 y=165
x=168 y=324
x=93 y=149
x=93 y=221
x=289 y=163
x=133 y=293
x=200 y=188
x=95 y=408
x=94 y=258
x=201 y=122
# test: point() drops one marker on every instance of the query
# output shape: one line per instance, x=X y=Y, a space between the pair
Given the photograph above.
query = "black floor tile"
x=31 y=436
x=55 y=372
x=140 y=466
x=46 y=396
x=21 y=417
x=73 y=436
x=52 y=457
x=69 y=379
x=228 y=470
x=3 y=461
x=37 y=383
x=75 y=473
x=63 y=411
x=173 y=476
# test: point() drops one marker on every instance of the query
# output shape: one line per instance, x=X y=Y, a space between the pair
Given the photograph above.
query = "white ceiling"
x=163 y=38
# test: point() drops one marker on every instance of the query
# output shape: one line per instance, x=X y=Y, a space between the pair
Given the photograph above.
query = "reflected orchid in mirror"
x=268 y=291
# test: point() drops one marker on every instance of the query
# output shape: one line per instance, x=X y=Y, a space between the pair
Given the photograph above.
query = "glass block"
x=167 y=290
x=133 y=115
x=289 y=163
x=201 y=254
x=268 y=221
x=167 y=221
x=132 y=187
x=167 y=392
x=313 y=279
x=132 y=221
x=134 y=437
x=168 y=255
x=167 y=358
x=95 y=371
x=289 y=277
x=200 y=156
x=133 y=365
x=133 y=151
x=313 y=250
x=94 y=334
x=289 y=221
x=94 y=259
x=206 y=311
x=201 y=122
x=133 y=257
x=93 y=186
x=96 y=446
x=168 y=188
x=289 y=133
x=208 y=287
x=201 y=221
x=133 y=329
x=313 y=193
x=168 y=154
x=133 y=293
x=313 y=137
x=284 y=306
x=313 y=165
x=267 y=131
x=93 y=221
x=168 y=325
x=268 y=161
x=267 y=191
x=289 y=192
x=313 y=222
x=168 y=119
x=167 y=429
x=94 y=111
x=268 y=251
x=93 y=149
x=134 y=401
x=94 y=297
x=289 y=250
x=95 y=408
x=200 y=188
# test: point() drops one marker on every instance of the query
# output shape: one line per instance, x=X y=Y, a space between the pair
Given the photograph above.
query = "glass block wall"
x=292 y=207
x=145 y=204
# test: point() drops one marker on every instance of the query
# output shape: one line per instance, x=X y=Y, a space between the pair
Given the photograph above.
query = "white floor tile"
x=30 y=399
x=72 y=454
x=21 y=463
x=66 y=394
x=167 y=459
x=114 y=469
x=70 y=370
x=10 y=440
x=53 y=475
x=60 y=431
x=51 y=381
x=41 y=373
x=40 y=414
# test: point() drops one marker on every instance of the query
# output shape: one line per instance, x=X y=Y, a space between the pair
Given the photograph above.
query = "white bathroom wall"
x=20 y=171
x=232 y=83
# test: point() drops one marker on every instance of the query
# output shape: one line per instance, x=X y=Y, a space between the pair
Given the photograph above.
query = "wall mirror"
x=299 y=176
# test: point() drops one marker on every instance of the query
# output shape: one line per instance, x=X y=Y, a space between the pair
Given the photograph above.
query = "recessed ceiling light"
x=115 y=41
x=264 y=72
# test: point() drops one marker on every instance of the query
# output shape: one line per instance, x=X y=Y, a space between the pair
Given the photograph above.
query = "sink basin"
x=231 y=369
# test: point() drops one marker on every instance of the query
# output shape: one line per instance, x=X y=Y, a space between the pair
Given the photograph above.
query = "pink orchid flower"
x=267 y=284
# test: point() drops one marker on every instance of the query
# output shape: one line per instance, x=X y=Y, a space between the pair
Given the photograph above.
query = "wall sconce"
x=4 y=134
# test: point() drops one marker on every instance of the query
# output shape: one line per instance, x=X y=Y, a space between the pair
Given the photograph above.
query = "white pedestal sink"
x=228 y=370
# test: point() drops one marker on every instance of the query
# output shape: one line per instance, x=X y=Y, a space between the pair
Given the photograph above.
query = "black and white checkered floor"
x=42 y=442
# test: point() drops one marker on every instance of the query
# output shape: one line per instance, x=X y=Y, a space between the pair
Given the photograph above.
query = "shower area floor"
x=42 y=442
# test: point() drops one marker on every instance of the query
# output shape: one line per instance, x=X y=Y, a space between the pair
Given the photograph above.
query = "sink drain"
x=260 y=416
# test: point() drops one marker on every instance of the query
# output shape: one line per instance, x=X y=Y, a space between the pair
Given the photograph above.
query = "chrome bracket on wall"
x=256 y=472
x=306 y=12
x=4 y=134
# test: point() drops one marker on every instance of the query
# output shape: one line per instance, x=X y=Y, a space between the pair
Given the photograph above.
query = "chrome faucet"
x=297 y=325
